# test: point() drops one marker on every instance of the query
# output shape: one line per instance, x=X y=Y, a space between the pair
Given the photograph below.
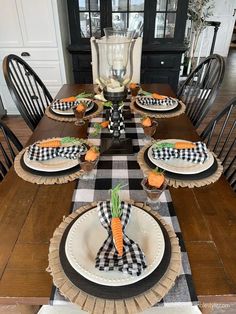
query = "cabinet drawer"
x=35 y=54
x=161 y=61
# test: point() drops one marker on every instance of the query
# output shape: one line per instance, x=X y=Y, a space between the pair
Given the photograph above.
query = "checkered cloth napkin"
x=133 y=260
x=147 y=101
x=66 y=105
x=112 y=170
x=38 y=153
x=195 y=155
x=62 y=105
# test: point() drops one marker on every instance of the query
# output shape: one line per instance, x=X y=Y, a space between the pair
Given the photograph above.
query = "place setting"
x=57 y=160
x=156 y=105
x=74 y=108
x=184 y=163
x=130 y=261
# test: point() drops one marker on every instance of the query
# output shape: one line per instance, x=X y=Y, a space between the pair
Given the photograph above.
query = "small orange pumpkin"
x=146 y=121
x=92 y=154
x=155 y=178
x=81 y=107
x=104 y=124
x=132 y=85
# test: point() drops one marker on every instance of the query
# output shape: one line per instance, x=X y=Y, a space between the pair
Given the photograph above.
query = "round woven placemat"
x=163 y=114
x=62 y=118
x=177 y=182
x=93 y=304
x=41 y=179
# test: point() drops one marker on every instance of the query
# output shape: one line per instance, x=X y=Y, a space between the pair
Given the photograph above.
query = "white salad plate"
x=70 y=112
x=155 y=107
x=50 y=165
x=87 y=235
x=180 y=166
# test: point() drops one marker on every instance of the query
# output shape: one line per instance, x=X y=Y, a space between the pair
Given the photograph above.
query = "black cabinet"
x=161 y=23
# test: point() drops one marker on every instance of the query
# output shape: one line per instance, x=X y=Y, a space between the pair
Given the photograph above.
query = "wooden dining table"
x=29 y=214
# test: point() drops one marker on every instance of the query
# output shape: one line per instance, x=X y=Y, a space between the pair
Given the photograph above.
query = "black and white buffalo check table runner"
x=112 y=170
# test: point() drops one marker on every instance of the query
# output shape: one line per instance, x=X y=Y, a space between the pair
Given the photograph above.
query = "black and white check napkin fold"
x=38 y=153
x=147 y=101
x=133 y=260
x=66 y=105
x=198 y=154
x=62 y=105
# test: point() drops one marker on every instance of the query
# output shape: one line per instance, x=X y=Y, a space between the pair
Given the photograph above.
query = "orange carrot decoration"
x=116 y=226
x=50 y=143
x=184 y=145
x=68 y=99
x=158 y=96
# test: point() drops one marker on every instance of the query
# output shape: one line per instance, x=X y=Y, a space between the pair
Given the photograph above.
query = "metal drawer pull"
x=162 y=62
x=25 y=54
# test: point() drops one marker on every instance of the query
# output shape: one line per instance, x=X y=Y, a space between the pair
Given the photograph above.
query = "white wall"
x=223 y=12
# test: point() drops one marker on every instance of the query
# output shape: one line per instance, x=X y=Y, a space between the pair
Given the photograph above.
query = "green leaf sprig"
x=84 y=95
x=164 y=145
x=97 y=127
x=116 y=210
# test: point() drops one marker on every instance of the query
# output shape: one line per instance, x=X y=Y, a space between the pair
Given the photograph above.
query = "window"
x=165 y=18
x=89 y=16
x=128 y=14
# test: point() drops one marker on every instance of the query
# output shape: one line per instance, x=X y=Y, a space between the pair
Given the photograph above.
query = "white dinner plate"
x=156 y=107
x=180 y=166
x=51 y=165
x=87 y=235
x=70 y=112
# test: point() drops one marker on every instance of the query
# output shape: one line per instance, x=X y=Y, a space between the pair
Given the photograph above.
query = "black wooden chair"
x=9 y=147
x=220 y=137
x=199 y=90
x=27 y=90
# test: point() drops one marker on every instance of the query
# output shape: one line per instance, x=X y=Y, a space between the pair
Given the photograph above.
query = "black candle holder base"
x=114 y=147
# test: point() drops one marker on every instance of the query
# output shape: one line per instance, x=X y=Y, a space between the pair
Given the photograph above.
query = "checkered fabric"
x=112 y=170
x=195 y=155
x=62 y=105
x=121 y=126
x=38 y=153
x=147 y=101
x=133 y=260
x=66 y=105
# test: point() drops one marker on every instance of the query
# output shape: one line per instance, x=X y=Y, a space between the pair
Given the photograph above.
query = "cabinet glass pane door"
x=128 y=14
x=89 y=18
x=165 y=18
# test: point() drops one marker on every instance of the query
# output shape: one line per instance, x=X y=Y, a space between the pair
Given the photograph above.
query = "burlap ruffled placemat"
x=40 y=179
x=93 y=304
x=62 y=118
x=165 y=114
x=181 y=183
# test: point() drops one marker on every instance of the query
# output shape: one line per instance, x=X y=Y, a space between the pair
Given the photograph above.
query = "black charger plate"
x=111 y=292
x=179 y=176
